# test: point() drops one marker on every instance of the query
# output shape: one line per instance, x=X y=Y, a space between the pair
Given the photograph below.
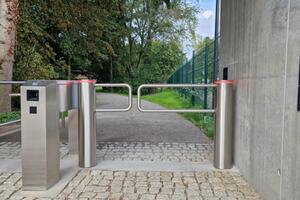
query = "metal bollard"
x=223 y=158
x=86 y=123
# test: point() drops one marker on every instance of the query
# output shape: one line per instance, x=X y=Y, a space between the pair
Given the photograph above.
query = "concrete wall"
x=260 y=45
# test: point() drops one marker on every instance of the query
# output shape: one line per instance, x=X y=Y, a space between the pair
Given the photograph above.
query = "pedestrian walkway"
x=142 y=185
x=134 y=126
x=145 y=182
x=140 y=157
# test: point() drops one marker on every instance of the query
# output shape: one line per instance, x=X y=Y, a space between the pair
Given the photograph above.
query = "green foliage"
x=168 y=99
x=161 y=60
x=98 y=89
x=171 y=99
x=10 y=116
x=34 y=55
x=107 y=40
x=150 y=21
x=34 y=67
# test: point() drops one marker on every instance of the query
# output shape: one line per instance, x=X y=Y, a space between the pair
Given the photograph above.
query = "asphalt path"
x=134 y=126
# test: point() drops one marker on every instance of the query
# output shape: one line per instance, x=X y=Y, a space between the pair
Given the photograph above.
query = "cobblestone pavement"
x=138 y=151
x=134 y=151
x=140 y=185
x=12 y=150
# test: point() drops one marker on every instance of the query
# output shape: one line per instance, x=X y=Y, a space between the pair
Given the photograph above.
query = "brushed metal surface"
x=9 y=123
x=40 y=137
x=64 y=91
x=87 y=126
x=12 y=82
x=73 y=131
x=223 y=158
x=74 y=98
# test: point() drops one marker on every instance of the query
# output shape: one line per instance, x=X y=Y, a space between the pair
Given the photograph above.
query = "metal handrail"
x=15 y=95
x=12 y=82
x=116 y=85
x=139 y=103
x=9 y=123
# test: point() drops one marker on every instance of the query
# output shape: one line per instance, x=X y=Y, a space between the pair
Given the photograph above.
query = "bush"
x=9 y=116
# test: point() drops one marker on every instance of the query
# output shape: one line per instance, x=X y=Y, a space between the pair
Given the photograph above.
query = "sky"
x=206 y=22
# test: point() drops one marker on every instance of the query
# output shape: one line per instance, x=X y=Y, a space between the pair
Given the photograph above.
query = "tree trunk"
x=8 y=20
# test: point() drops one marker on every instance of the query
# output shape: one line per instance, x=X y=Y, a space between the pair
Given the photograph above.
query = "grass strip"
x=172 y=100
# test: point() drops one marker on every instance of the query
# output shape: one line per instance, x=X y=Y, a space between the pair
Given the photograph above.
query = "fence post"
x=181 y=79
x=186 y=92
x=205 y=72
x=193 y=77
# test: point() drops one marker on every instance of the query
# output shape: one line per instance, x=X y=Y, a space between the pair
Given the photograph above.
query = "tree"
x=35 y=54
x=9 y=15
x=162 y=60
x=159 y=62
x=149 y=20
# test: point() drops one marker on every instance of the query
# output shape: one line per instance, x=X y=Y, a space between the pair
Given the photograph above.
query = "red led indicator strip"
x=224 y=81
x=87 y=81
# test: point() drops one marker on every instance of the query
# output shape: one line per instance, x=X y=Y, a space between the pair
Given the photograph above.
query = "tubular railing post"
x=217 y=38
x=223 y=155
x=86 y=123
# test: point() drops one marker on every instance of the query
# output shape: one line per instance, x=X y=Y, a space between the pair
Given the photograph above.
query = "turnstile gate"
x=223 y=158
x=82 y=101
x=87 y=122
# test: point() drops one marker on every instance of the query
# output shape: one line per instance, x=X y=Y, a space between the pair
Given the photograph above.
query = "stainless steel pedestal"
x=86 y=123
x=223 y=155
x=40 y=135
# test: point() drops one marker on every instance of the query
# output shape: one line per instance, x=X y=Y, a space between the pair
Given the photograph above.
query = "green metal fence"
x=201 y=68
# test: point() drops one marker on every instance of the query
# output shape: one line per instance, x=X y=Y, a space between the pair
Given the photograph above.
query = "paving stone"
x=147 y=197
x=178 y=197
x=102 y=195
x=115 y=196
x=87 y=195
x=168 y=191
x=141 y=190
x=132 y=196
x=154 y=190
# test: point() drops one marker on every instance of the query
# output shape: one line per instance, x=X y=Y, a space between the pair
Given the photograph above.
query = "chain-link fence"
x=201 y=68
